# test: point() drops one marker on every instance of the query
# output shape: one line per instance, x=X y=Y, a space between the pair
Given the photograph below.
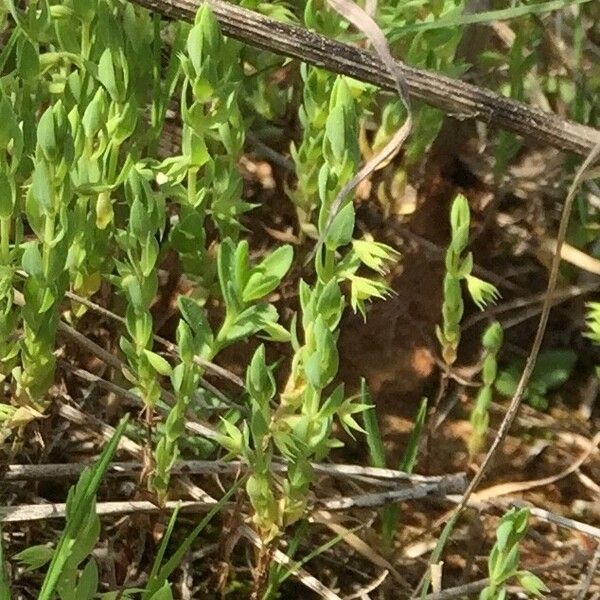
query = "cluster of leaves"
x=459 y=268
x=503 y=561
x=85 y=199
x=552 y=369
x=297 y=423
x=491 y=342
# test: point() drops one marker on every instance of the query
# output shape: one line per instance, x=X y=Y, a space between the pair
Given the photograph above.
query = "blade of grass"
x=277 y=570
x=162 y=575
x=163 y=544
x=317 y=551
x=81 y=503
x=503 y=14
x=4 y=581
x=391 y=512
x=410 y=454
x=374 y=439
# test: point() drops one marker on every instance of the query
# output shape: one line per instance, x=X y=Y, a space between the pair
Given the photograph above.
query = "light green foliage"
x=76 y=79
x=299 y=426
x=491 y=342
x=205 y=178
x=503 y=561
x=138 y=279
x=243 y=287
x=552 y=369
x=435 y=50
x=593 y=322
x=78 y=539
x=11 y=157
x=459 y=268
x=390 y=514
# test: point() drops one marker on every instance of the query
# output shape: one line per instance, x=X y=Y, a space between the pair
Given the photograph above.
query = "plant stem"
x=329 y=264
x=48 y=237
x=192 y=178
x=85 y=40
x=4 y=240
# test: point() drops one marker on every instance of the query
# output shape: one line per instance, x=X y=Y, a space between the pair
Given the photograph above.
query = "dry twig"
x=451 y=96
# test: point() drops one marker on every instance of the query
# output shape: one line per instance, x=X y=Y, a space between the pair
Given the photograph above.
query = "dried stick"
x=588 y=576
x=216 y=467
x=452 y=96
x=37 y=512
x=391 y=496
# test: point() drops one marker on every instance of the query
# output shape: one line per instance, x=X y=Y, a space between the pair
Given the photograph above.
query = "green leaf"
x=85 y=9
x=107 y=76
x=34 y=557
x=266 y=276
x=32 y=260
x=80 y=504
x=493 y=337
x=250 y=321
x=7 y=196
x=260 y=383
x=46 y=135
x=164 y=593
x=321 y=363
x=374 y=438
x=341 y=228
x=41 y=187
x=28 y=60
x=158 y=363
x=335 y=131
x=95 y=114
x=195 y=316
x=409 y=458
x=531 y=583
x=88 y=582
x=460 y=215
x=553 y=368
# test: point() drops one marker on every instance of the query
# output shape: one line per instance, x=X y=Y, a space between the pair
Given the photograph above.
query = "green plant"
x=390 y=514
x=492 y=342
x=552 y=369
x=503 y=561
x=459 y=268
x=78 y=539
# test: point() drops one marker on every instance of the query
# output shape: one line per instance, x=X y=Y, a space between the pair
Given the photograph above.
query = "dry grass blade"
x=356 y=543
x=504 y=489
x=383 y=498
x=37 y=512
x=365 y=24
x=588 y=576
x=218 y=467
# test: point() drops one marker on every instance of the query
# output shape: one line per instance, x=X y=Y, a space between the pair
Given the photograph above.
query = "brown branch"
x=454 y=97
x=451 y=482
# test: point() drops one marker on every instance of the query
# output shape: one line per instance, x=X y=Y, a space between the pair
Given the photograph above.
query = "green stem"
x=192 y=179
x=4 y=240
x=329 y=267
x=112 y=163
x=48 y=237
x=85 y=40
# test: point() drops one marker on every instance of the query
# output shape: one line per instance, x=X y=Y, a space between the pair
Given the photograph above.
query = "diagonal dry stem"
x=513 y=408
x=452 y=96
